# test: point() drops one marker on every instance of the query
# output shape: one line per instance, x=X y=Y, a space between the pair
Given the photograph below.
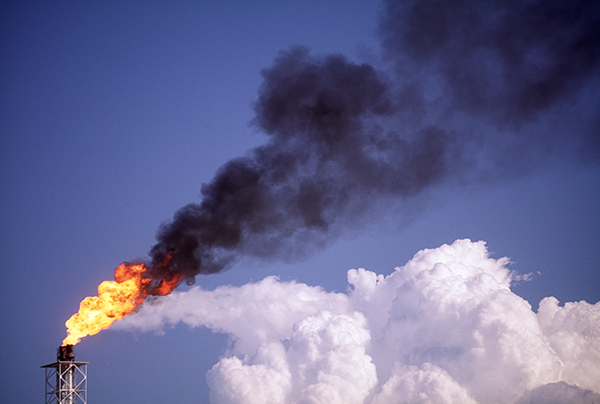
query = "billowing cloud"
x=559 y=393
x=573 y=332
x=444 y=328
x=323 y=361
x=422 y=384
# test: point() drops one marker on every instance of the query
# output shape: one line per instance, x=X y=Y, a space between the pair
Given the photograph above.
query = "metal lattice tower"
x=66 y=379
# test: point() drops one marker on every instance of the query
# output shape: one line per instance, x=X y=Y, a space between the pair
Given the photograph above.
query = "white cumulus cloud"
x=444 y=328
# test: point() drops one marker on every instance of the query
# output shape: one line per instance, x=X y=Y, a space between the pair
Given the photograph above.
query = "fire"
x=115 y=300
x=167 y=285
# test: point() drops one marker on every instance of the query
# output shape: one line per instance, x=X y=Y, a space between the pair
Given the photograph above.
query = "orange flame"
x=115 y=300
x=167 y=285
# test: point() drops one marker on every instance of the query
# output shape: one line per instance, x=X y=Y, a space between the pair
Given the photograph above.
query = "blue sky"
x=113 y=115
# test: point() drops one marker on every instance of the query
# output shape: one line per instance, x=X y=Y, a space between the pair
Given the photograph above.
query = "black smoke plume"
x=507 y=60
x=475 y=88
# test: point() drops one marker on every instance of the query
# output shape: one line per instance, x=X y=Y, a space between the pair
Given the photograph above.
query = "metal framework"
x=66 y=382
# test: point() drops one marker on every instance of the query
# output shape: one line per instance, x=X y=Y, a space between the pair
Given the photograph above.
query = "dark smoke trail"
x=508 y=59
x=459 y=65
x=323 y=159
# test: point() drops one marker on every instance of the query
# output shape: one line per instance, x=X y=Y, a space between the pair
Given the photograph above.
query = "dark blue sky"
x=113 y=115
